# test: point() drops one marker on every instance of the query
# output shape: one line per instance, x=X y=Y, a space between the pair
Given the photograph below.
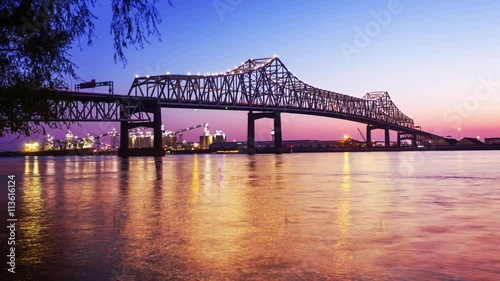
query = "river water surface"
x=319 y=216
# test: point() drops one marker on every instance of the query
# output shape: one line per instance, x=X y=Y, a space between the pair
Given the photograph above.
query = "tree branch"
x=19 y=14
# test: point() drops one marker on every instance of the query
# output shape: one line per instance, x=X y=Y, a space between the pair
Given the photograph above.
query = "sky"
x=438 y=60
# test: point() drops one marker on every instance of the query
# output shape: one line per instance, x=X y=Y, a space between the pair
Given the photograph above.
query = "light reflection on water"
x=230 y=217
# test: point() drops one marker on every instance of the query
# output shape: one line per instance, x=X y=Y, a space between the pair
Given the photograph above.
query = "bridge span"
x=264 y=87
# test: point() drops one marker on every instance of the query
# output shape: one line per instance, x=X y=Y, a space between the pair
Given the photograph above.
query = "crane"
x=361 y=135
x=181 y=131
x=114 y=139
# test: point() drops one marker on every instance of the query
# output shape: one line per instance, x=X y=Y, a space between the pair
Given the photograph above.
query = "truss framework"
x=266 y=84
x=81 y=107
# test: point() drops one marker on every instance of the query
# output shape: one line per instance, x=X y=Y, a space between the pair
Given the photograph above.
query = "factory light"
x=31 y=146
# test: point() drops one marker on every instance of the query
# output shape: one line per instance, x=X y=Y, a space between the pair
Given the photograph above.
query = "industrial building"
x=469 y=141
x=140 y=138
x=492 y=140
x=445 y=142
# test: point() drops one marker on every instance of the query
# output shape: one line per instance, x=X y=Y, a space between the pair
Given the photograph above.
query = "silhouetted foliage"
x=35 y=40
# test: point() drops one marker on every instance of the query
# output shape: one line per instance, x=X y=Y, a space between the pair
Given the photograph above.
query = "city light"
x=31 y=146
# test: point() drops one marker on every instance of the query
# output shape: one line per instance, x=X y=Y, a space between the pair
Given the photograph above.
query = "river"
x=313 y=216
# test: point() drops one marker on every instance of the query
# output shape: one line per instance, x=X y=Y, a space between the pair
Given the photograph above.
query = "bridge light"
x=346 y=137
x=189 y=73
x=226 y=107
x=198 y=73
x=168 y=73
x=147 y=76
x=136 y=76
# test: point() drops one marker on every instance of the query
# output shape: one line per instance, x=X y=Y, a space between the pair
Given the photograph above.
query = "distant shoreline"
x=64 y=152
x=372 y=149
x=90 y=152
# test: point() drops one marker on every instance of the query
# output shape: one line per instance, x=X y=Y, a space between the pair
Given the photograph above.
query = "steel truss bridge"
x=264 y=87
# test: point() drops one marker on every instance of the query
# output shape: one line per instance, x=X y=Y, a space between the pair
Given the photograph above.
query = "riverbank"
x=265 y=150
x=63 y=152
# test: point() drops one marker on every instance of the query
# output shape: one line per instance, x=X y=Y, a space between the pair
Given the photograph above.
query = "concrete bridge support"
x=369 y=136
x=156 y=150
x=278 y=136
x=387 y=138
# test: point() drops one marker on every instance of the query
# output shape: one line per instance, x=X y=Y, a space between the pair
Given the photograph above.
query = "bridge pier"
x=387 y=138
x=124 y=147
x=156 y=150
x=251 y=131
x=157 y=133
x=278 y=136
x=368 y=136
